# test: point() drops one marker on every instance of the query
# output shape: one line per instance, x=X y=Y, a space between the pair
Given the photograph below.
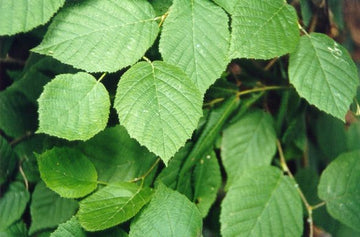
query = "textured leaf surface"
x=108 y=34
x=13 y=204
x=248 y=143
x=263 y=202
x=67 y=172
x=24 y=15
x=263 y=29
x=17 y=229
x=71 y=228
x=7 y=160
x=48 y=209
x=116 y=156
x=228 y=5
x=168 y=214
x=195 y=37
x=155 y=99
x=112 y=205
x=207 y=182
x=74 y=107
x=339 y=187
x=323 y=72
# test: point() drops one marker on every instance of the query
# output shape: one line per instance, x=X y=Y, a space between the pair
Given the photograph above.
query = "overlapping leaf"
x=112 y=205
x=155 y=99
x=195 y=37
x=248 y=143
x=71 y=228
x=323 y=72
x=68 y=172
x=263 y=29
x=339 y=187
x=73 y=106
x=7 y=160
x=24 y=15
x=101 y=35
x=168 y=214
x=263 y=202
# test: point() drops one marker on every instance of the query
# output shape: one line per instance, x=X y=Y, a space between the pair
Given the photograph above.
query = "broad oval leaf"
x=263 y=29
x=112 y=205
x=108 y=34
x=48 y=209
x=323 y=72
x=339 y=187
x=195 y=37
x=24 y=15
x=13 y=204
x=71 y=228
x=74 y=107
x=67 y=172
x=159 y=106
x=248 y=143
x=168 y=214
x=263 y=202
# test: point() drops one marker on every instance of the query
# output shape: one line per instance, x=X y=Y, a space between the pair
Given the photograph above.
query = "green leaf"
x=250 y=142
x=155 y=99
x=228 y=5
x=161 y=6
x=13 y=204
x=207 y=181
x=168 y=214
x=24 y=15
x=263 y=29
x=263 y=202
x=48 y=209
x=195 y=37
x=353 y=136
x=74 y=107
x=115 y=162
x=108 y=34
x=323 y=72
x=17 y=229
x=7 y=160
x=71 y=228
x=112 y=205
x=339 y=187
x=67 y=172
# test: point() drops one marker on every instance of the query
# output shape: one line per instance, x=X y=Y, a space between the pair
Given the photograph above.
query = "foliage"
x=177 y=118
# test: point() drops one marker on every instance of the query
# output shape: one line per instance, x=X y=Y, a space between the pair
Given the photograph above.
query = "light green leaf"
x=48 y=209
x=323 y=72
x=108 y=34
x=263 y=202
x=67 y=172
x=71 y=228
x=161 y=6
x=339 y=187
x=23 y=15
x=248 y=143
x=155 y=99
x=115 y=162
x=263 y=29
x=112 y=205
x=168 y=214
x=7 y=160
x=195 y=37
x=228 y=5
x=13 y=204
x=74 y=107
x=207 y=181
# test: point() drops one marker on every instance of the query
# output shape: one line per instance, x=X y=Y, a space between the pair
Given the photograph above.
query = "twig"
x=318 y=205
x=270 y=64
x=20 y=139
x=142 y=177
x=265 y=88
x=9 y=59
x=24 y=177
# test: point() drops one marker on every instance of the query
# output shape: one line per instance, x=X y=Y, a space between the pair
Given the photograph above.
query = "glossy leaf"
x=67 y=172
x=48 y=209
x=263 y=29
x=24 y=15
x=71 y=228
x=339 y=187
x=108 y=34
x=112 y=205
x=13 y=204
x=74 y=107
x=195 y=37
x=323 y=72
x=242 y=142
x=168 y=214
x=262 y=202
x=155 y=99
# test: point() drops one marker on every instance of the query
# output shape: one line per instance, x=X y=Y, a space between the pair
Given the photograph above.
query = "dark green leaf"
x=7 y=160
